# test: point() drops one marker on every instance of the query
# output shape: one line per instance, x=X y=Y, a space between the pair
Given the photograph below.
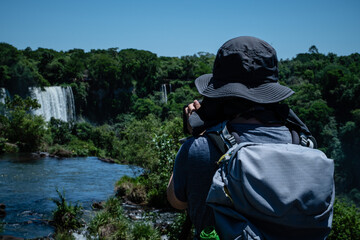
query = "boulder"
x=107 y=160
x=7 y=237
x=2 y=210
x=11 y=148
x=61 y=153
x=97 y=205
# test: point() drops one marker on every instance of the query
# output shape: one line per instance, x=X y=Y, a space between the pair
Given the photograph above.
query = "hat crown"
x=246 y=60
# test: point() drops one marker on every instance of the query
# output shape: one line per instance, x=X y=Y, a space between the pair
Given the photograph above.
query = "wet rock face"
x=97 y=205
x=6 y=237
x=106 y=230
x=2 y=211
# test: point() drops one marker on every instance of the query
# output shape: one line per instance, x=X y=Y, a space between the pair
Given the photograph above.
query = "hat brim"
x=264 y=93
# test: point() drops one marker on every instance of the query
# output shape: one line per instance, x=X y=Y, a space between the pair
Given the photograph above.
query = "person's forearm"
x=176 y=203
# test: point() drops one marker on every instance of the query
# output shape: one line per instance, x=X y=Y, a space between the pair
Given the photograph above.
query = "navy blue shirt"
x=195 y=165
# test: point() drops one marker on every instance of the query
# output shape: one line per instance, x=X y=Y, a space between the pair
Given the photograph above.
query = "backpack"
x=271 y=191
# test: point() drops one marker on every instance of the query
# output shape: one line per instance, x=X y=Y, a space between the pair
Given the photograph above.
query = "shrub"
x=346 y=221
x=155 y=145
x=101 y=137
x=136 y=142
x=131 y=189
x=143 y=231
x=83 y=148
x=83 y=130
x=23 y=128
x=175 y=229
x=111 y=223
x=66 y=216
x=2 y=144
x=64 y=236
x=104 y=137
x=60 y=131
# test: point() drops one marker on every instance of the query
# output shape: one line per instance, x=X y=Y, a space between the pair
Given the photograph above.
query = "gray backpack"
x=273 y=191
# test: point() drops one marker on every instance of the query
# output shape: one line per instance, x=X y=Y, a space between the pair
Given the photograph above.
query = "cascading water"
x=3 y=94
x=57 y=102
x=164 y=93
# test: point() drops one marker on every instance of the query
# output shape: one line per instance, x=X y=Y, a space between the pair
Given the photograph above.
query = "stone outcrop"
x=2 y=210
x=7 y=237
x=107 y=160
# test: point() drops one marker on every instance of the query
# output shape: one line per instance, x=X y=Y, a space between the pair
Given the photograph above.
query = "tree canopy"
x=111 y=84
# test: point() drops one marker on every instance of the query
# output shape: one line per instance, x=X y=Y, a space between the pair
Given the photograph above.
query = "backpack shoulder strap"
x=299 y=132
x=222 y=139
x=303 y=139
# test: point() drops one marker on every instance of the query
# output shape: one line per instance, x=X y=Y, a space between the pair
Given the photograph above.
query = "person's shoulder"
x=195 y=143
x=195 y=140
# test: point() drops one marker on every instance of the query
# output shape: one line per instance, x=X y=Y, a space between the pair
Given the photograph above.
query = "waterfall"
x=57 y=102
x=3 y=94
x=164 y=93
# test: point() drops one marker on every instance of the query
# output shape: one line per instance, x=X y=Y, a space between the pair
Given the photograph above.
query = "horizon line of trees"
x=117 y=91
x=110 y=85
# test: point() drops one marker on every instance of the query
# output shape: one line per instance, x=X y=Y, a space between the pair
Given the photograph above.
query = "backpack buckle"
x=306 y=142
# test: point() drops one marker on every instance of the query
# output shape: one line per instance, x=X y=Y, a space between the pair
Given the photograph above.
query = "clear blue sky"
x=181 y=27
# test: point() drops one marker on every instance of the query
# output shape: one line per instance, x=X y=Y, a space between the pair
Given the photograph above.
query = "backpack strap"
x=223 y=139
x=217 y=141
x=299 y=132
x=300 y=138
x=295 y=137
x=228 y=137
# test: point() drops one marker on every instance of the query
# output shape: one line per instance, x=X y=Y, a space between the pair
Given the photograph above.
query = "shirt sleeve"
x=180 y=171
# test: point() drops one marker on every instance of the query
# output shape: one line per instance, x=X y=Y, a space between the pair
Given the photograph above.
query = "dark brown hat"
x=245 y=67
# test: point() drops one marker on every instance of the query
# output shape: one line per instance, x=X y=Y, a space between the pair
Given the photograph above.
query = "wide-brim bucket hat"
x=245 y=67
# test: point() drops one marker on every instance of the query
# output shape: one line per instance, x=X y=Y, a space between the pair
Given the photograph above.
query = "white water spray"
x=57 y=102
x=3 y=94
x=163 y=91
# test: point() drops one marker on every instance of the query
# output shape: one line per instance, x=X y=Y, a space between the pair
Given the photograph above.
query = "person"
x=243 y=92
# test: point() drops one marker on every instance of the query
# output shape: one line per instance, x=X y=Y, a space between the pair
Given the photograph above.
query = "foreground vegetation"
x=66 y=216
x=123 y=117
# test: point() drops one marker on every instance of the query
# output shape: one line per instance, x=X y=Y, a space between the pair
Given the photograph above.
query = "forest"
x=122 y=115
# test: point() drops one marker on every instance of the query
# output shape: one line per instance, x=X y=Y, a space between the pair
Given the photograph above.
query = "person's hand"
x=192 y=107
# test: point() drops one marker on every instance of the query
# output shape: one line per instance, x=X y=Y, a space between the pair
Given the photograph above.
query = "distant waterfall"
x=163 y=93
x=3 y=94
x=57 y=102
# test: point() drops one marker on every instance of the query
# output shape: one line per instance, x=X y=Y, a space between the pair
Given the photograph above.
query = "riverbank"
x=28 y=184
x=118 y=220
x=67 y=154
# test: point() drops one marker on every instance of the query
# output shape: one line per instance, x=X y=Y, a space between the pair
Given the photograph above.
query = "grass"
x=111 y=223
x=66 y=216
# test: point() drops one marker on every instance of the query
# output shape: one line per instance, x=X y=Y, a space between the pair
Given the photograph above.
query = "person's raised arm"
x=192 y=107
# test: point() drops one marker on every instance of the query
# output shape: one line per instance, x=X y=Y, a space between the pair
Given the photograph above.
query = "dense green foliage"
x=66 y=216
x=105 y=82
x=19 y=126
x=346 y=223
x=118 y=91
x=111 y=223
x=327 y=99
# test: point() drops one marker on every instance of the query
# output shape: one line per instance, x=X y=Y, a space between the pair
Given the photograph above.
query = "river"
x=28 y=184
